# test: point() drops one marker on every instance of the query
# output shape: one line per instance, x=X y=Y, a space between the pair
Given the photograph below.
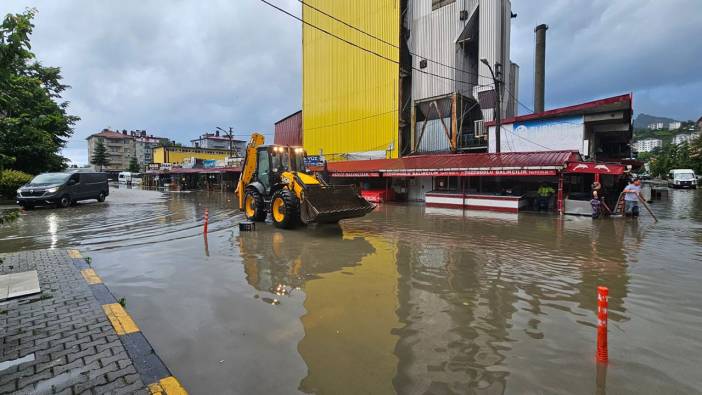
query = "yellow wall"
x=177 y=155
x=349 y=96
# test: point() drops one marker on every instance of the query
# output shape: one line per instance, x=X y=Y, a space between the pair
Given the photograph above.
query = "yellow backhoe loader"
x=274 y=180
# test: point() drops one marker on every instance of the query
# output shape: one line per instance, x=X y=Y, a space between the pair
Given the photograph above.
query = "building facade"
x=219 y=142
x=647 y=145
x=684 y=138
x=288 y=131
x=674 y=125
x=599 y=130
x=123 y=146
x=173 y=155
x=407 y=80
x=120 y=146
x=656 y=126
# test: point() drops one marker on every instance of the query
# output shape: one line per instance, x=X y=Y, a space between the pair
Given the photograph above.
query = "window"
x=263 y=168
x=446 y=184
x=436 y=4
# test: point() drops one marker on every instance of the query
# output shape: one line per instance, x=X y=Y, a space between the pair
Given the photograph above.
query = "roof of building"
x=211 y=170
x=108 y=134
x=111 y=134
x=615 y=103
x=289 y=116
x=511 y=160
x=219 y=138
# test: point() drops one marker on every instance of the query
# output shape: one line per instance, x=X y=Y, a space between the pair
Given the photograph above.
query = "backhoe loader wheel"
x=254 y=208
x=285 y=209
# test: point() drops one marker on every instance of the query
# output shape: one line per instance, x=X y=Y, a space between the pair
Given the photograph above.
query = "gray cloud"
x=601 y=47
x=179 y=68
x=176 y=69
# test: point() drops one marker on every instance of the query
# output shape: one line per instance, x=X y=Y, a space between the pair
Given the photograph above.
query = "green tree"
x=34 y=123
x=134 y=166
x=100 y=155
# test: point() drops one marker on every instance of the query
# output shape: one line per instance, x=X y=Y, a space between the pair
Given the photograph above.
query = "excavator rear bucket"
x=331 y=203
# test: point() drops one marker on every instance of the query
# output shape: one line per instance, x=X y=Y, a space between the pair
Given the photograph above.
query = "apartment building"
x=123 y=146
x=647 y=145
x=684 y=138
x=120 y=148
x=220 y=142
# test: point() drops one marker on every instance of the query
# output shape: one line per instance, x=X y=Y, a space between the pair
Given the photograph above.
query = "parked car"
x=682 y=178
x=63 y=189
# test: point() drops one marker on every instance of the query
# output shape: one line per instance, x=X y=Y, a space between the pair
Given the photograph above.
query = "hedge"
x=10 y=180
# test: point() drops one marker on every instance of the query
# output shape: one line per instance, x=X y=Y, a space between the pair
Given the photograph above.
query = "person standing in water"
x=595 y=203
x=632 y=194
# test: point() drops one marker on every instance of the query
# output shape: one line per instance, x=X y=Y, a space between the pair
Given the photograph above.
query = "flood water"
x=406 y=300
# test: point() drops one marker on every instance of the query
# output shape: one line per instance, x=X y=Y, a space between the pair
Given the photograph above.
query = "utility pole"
x=229 y=134
x=497 y=81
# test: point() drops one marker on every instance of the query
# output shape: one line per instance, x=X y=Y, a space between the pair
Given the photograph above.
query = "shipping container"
x=350 y=96
x=288 y=131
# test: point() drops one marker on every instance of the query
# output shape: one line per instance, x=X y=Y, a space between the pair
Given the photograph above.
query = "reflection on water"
x=407 y=299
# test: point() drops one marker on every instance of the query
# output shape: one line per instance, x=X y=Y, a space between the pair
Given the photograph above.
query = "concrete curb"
x=148 y=364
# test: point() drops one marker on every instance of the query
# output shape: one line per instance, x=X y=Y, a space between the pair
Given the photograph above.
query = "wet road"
x=407 y=299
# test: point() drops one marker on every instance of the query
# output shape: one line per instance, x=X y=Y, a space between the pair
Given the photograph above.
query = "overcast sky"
x=180 y=68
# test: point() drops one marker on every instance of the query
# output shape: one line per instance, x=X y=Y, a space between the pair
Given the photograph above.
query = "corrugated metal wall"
x=495 y=36
x=349 y=96
x=288 y=131
x=433 y=35
x=434 y=138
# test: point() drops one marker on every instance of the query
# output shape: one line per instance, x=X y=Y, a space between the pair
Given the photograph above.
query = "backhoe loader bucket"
x=331 y=203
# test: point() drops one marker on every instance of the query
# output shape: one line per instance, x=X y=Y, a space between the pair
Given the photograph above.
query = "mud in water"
x=407 y=299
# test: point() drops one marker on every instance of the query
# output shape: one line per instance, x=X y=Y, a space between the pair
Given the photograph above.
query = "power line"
x=531 y=111
x=350 y=121
x=387 y=42
x=361 y=47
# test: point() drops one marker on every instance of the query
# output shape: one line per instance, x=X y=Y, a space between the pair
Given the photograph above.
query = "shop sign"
x=594 y=168
x=471 y=173
x=361 y=174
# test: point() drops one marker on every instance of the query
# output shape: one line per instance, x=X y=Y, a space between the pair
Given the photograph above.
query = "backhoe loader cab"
x=274 y=160
x=274 y=180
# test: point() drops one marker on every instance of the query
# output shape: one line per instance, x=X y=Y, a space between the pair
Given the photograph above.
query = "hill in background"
x=643 y=120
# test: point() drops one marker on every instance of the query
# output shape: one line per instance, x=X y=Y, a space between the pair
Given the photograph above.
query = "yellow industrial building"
x=389 y=78
x=176 y=155
x=350 y=96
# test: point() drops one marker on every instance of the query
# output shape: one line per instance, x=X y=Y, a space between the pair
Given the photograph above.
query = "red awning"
x=181 y=170
x=482 y=164
x=595 y=168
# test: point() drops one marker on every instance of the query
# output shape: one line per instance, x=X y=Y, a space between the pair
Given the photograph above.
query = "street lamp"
x=229 y=134
x=497 y=81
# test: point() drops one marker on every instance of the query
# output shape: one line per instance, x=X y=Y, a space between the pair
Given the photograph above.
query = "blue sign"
x=539 y=124
x=314 y=160
x=209 y=163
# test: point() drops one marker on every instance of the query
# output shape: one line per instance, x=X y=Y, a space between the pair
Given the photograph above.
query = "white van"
x=682 y=178
x=126 y=177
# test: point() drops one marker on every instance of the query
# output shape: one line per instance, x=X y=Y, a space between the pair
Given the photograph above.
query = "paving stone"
x=76 y=348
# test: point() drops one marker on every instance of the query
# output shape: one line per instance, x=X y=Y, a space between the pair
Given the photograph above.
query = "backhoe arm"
x=249 y=166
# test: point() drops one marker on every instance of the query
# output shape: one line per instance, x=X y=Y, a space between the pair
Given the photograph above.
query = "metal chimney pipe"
x=540 y=68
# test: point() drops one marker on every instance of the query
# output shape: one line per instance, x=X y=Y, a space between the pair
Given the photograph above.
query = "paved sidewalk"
x=73 y=337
